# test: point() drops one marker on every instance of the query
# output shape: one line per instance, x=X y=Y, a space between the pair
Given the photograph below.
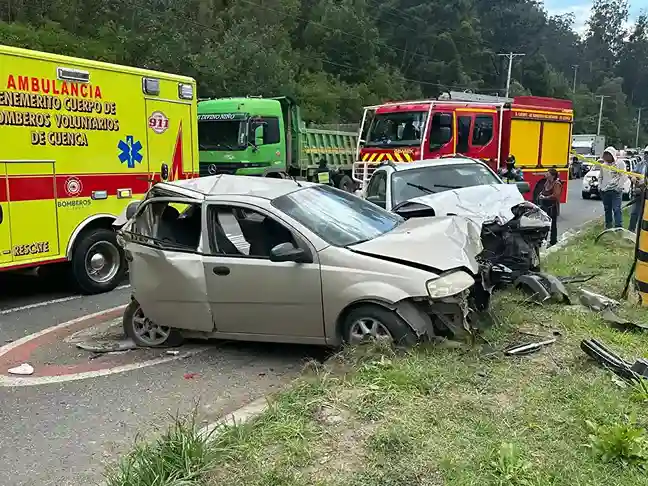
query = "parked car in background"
x=265 y=259
x=592 y=179
x=512 y=229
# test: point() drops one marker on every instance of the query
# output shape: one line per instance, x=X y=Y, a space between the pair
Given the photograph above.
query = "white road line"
x=48 y=302
x=8 y=347
x=45 y=380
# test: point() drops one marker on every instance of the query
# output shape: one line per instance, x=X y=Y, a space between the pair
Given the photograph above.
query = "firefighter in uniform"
x=323 y=173
x=510 y=174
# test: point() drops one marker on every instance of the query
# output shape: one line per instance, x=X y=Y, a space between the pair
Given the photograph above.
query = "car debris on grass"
x=436 y=415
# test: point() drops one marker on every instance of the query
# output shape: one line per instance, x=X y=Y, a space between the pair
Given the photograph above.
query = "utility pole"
x=510 y=56
x=638 y=125
x=575 y=66
x=598 y=130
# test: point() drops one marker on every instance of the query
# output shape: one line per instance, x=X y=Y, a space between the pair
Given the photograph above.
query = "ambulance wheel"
x=98 y=263
x=144 y=332
x=346 y=184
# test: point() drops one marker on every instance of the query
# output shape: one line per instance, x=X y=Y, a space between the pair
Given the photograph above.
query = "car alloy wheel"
x=369 y=329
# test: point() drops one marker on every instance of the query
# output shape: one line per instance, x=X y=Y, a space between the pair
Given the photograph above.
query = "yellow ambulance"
x=80 y=140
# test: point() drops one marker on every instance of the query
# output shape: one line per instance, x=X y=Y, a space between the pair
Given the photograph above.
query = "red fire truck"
x=536 y=130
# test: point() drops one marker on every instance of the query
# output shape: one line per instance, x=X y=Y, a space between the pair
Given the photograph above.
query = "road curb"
x=238 y=417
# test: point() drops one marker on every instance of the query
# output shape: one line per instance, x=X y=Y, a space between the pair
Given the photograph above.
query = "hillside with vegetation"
x=336 y=56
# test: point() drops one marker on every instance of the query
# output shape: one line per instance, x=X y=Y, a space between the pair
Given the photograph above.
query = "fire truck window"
x=463 y=133
x=483 y=131
x=270 y=132
x=441 y=130
x=397 y=129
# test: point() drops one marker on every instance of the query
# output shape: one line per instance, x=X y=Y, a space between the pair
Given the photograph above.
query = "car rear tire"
x=144 y=332
x=98 y=263
x=370 y=322
x=586 y=195
x=346 y=184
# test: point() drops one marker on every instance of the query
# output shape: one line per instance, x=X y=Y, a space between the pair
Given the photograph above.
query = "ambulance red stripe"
x=40 y=187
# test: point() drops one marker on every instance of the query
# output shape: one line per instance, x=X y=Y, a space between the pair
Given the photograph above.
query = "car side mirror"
x=258 y=135
x=287 y=252
x=378 y=201
x=523 y=187
x=131 y=209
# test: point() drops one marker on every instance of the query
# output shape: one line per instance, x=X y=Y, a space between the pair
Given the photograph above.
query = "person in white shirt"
x=611 y=188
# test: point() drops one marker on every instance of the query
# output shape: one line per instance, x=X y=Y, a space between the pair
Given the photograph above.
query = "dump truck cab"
x=267 y=137
x=242 y=136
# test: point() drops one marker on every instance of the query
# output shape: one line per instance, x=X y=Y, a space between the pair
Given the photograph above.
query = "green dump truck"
x=267 y=137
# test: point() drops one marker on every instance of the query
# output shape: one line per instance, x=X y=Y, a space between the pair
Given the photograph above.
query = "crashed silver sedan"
x=258 y=259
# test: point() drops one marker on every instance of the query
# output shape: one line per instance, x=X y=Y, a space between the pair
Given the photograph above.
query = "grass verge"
x=435 y=416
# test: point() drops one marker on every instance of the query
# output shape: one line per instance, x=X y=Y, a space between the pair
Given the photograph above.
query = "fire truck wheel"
x=98 y=263
x=346 y=184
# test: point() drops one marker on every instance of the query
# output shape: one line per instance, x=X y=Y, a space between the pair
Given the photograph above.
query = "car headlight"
x=449 y=285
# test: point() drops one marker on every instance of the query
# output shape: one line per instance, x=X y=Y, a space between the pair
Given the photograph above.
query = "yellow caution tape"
x=606 y=166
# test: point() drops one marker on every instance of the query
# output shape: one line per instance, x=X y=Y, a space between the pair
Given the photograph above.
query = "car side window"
x=483 y=130
x=173 y=226
x=377 y=189
x=236 y=231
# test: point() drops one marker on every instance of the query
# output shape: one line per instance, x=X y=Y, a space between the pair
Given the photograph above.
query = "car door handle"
x=221 y=270
x=1 y=215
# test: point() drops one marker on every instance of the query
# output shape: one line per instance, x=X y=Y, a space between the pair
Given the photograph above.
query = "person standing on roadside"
x=611 y=188
x=549 y=201
x=639 y=186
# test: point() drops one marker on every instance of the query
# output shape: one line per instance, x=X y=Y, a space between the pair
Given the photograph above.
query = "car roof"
x=440 y=162
x=234 y=185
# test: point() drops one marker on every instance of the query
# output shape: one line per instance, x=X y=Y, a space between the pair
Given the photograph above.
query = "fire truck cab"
x=536 y=130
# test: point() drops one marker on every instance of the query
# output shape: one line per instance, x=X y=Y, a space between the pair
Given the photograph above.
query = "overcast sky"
x=581 y=8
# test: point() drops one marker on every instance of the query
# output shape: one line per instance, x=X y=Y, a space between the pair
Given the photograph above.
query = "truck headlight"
x=449 y=285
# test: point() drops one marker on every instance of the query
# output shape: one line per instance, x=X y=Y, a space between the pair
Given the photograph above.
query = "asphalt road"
x=65 y=433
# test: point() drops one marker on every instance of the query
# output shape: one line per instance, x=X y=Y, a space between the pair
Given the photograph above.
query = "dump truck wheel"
x=98 y=263
x=144 y=332
x=369 y=323
x=346 y=184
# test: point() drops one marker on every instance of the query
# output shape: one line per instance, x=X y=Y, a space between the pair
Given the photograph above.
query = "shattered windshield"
x=218 y=132
x=409 y=184
x=339 y=218
x=397 y=129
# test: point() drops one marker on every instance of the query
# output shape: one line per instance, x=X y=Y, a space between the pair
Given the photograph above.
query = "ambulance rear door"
x=170 y=136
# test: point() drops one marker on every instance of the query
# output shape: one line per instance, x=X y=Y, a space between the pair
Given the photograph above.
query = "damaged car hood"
x=437 y=243
x=481 y=204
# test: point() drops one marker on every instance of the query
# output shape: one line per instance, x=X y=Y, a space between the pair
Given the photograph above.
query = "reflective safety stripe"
x=323 y=177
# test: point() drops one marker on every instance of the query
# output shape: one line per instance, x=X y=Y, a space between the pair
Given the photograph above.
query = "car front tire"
x=371 y=322
x=586 y=195
x=144 y=332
